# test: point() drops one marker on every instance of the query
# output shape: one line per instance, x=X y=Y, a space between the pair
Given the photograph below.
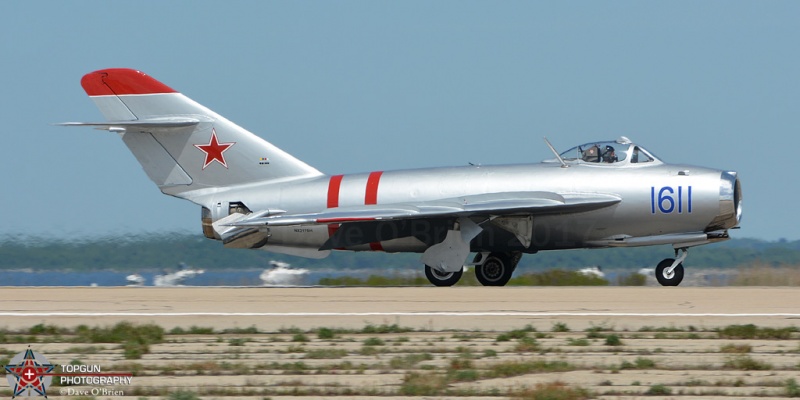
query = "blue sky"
x=354 y=86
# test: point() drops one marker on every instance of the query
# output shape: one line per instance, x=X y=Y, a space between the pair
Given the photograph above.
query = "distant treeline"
x=167 y=250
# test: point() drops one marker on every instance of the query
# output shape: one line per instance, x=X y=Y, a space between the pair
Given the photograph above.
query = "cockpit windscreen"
x=598 y=152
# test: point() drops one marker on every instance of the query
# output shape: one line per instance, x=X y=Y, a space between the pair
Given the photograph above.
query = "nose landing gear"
x=669 y=271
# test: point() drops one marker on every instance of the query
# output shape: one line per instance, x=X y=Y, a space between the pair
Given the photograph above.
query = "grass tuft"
x=658 y=390
x=639 y=363
x=751 y=331
x=300 y=338
x=577 y=342
x=326 y=333
x=527 y=345
x=409 y=360
x=560 y=327
x=322 y=354
x=552 y=391
x=418 y=384
x=383 y=329
x=373 y=341
x=792 y=388
x=746 y=363
x=613 y=340
x=736 y=348
x=516 y=368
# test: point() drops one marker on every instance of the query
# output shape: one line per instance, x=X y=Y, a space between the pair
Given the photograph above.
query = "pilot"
x=609 y=155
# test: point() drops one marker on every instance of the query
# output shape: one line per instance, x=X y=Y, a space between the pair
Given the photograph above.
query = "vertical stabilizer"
x=182 y=145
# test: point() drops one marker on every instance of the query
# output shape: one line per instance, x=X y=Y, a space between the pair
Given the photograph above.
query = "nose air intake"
x=730 y=203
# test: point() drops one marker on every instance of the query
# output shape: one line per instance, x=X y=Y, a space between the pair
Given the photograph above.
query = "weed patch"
x=560 y=327
x=325 y=354
x=251 y=330
x=516 y=368
x=639 y=363
x=409 y=360
x=382 y=329
x=551 y=391
x=751 y=331
x=736 y=348
x=577 y=342
x=300 y=338
x=326 y=333
x=416 y=384
x=373 y=341
x=746 y=363
x=658 y=390
x=792 y=388
x=193 y=330
x=613 y=340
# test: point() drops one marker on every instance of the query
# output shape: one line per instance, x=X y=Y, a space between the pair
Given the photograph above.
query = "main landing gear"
x=441 y=278
x=495 y=269
x=669 y=272
x=491 y=269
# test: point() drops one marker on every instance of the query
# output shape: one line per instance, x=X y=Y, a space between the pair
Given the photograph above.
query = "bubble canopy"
x=609 y=152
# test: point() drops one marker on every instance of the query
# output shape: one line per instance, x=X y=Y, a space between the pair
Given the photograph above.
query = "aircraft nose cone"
x=730 y=200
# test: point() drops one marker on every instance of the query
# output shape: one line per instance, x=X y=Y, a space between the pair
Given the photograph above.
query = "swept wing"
x=492 y=204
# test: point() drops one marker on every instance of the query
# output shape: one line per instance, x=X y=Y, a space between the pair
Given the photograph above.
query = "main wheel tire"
x=665 y=279
x=442 y=278
x=495 y=271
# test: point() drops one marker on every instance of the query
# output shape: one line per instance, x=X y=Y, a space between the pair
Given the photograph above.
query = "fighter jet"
x=253 y=195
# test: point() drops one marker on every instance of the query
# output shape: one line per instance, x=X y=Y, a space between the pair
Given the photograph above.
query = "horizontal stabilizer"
x=152 y=123
x=492 y=204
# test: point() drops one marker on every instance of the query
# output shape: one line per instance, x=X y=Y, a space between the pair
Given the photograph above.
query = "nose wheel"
x=669 y=272
x=666 y=277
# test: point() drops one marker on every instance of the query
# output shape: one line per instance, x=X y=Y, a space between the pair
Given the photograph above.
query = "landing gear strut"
x=669 y=271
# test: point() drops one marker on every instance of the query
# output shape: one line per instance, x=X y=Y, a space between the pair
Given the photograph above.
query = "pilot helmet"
x=608 y=154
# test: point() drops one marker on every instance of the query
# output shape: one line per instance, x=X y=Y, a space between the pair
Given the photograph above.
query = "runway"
x=468 y=308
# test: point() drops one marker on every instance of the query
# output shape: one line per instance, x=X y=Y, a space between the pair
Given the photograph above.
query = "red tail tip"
x=121 y=81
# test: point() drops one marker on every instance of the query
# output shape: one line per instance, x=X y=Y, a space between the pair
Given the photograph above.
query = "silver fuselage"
x=657 y=200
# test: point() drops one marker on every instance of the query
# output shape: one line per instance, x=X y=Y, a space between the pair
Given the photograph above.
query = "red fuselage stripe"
x=333 y=191
x=333 y=199
x=371 y=197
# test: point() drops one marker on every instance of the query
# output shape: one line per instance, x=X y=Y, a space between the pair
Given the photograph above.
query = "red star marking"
x=214 y=150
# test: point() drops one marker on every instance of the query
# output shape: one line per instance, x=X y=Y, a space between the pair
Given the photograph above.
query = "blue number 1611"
x=668 y=200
